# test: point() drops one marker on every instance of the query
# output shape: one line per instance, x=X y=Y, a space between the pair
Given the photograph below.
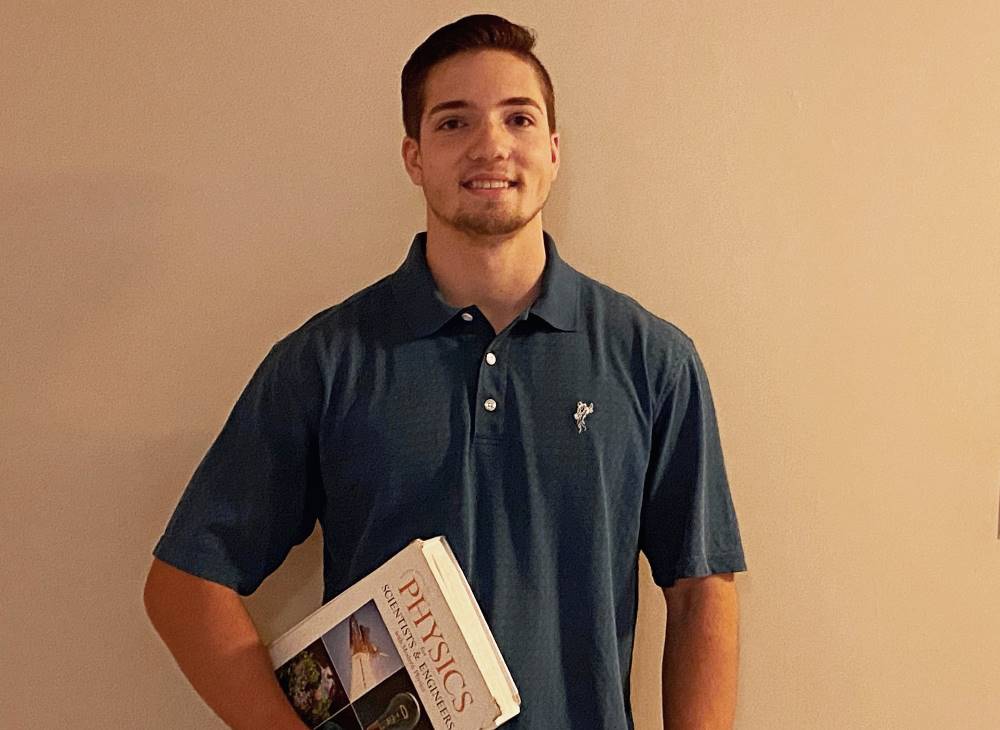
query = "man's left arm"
x=701 y=653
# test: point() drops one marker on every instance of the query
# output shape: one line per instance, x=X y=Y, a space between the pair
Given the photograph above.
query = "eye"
x=446 y=122
x=525 y=117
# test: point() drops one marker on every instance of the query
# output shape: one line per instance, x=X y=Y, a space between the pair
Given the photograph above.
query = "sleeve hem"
x=699 y=567
x=190 y=559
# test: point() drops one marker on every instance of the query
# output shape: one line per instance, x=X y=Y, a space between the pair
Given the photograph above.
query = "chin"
x=490 y=227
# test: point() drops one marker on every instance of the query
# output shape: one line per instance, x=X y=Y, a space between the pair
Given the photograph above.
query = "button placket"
x=492 y=386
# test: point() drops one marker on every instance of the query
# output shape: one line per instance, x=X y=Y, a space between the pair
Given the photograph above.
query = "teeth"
x=488 y=184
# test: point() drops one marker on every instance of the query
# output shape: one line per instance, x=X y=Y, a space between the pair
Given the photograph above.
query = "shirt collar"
x=426 y=311
x=558 y=301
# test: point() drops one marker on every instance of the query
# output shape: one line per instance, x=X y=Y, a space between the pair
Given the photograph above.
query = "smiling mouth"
x=490 y=184
x=493 y=190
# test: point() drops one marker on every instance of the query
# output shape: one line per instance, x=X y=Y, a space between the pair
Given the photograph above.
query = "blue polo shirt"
x=549 y=454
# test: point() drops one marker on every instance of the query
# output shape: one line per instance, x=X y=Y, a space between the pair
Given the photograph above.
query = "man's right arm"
x=211 y=636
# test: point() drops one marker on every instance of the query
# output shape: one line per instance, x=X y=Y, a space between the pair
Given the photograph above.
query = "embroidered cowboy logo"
x=582 y=411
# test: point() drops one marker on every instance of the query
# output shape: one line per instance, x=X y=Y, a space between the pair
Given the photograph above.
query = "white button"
x=467 y=316
x=491 y=359
x=490 y=405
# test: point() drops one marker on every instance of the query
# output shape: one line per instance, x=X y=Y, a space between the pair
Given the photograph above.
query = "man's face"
x=484 y=117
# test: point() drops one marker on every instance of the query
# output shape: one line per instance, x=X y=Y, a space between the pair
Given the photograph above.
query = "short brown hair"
x=471 y=33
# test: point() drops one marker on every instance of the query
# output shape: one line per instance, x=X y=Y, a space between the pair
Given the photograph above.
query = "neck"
x=501 y=274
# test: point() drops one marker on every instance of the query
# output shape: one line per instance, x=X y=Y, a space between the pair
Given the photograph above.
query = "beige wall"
x=808 y=189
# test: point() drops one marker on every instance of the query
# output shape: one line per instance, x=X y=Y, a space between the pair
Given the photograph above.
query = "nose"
x=491 y=141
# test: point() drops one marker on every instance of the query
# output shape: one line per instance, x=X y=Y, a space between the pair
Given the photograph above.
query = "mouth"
x=490 y=188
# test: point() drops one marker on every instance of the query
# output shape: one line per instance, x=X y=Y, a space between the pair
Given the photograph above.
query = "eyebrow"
x=462 y=104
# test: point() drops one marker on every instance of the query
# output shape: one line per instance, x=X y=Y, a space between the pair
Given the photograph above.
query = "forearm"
x=700 y=664
x=211 y=636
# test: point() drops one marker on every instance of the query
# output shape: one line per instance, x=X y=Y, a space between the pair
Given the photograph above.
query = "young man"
x=548 y=426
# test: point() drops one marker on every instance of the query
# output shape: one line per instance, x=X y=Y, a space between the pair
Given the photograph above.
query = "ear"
x=412 y=161
x=554 y=151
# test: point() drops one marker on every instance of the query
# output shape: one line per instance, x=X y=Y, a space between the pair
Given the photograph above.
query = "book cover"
x=405 y=648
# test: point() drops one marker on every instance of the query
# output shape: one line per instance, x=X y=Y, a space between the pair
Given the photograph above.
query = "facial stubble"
x=490 y=218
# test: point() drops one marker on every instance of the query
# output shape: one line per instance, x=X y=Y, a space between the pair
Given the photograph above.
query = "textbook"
x=405 y=648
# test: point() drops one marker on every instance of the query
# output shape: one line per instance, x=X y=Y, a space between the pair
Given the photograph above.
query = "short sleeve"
x=689 y=527
x=257 y=491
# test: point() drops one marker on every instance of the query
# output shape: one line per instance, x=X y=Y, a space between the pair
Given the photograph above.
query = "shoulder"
x=375 y=301
x=630 y=343
x=624 y=322
x=314 y=350
x=369 y=310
